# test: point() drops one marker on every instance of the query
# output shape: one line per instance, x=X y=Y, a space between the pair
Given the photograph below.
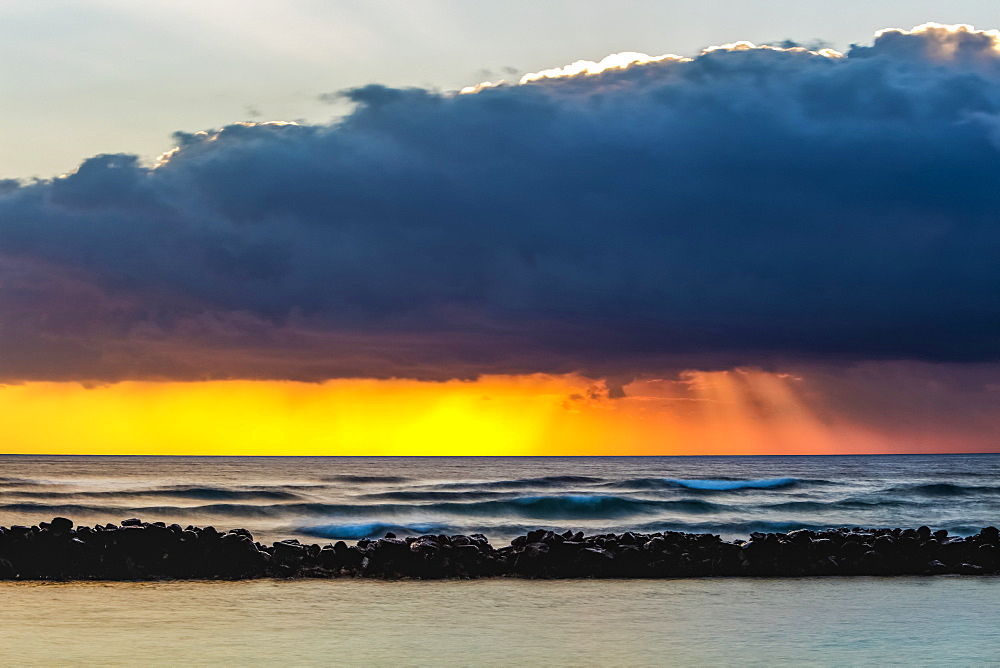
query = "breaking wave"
x=579 y=507
x=539 y=507
x=373 y=530
x=498 y=533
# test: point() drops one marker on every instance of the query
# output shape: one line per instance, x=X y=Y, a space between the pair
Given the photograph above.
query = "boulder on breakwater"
x=136 y=550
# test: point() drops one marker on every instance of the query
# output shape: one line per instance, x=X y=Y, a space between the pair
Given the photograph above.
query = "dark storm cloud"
x=743 y=207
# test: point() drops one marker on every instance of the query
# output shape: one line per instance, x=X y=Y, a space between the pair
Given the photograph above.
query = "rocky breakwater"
x=136 y=550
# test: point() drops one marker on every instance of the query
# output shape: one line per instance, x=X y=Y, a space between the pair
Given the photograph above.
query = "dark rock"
x=329 y=558
x=800 y=537
x=595 y=556
x=935 y=567
x=849 y=550
x=60 y=525
x=468 y=553
x=393 y=546
x=884 y=544
x=425 y=545
x=871 y=563
x=536 y=550
x=628 y=538
x=210 y=533
x=535 y=536
x=533 y=560
x=969 y=569
x=657 y=544
x=141 y=551
x=987 y=556
x=289 y=554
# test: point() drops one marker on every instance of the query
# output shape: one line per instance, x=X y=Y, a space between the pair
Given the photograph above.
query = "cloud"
x=751 y=205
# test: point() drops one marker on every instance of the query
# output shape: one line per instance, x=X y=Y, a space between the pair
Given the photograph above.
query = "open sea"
x=821 y=621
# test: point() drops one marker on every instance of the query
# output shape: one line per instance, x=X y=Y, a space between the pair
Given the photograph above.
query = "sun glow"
x=494 y=415
x=723 y=412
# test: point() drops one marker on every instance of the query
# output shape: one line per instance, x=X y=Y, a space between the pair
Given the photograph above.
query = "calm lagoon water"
x=812 y=621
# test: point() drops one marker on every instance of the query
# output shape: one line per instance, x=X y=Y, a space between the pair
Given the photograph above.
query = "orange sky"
x=727 y=412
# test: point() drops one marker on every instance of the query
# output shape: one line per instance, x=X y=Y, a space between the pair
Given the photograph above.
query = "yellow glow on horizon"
x=721 y=412
x=497 y=415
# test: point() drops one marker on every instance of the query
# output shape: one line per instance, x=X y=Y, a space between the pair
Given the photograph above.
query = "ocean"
x=347 y=498
x=720 y=621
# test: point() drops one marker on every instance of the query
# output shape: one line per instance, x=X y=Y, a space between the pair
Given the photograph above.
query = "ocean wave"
x=568 y=507
x=582 y=506
x=364 y=478
x=563 y=479
x=19 y=482
x=943 y=489
x=733 y=528
x=697 y=484
x=542 y=482
x=842 y=504
x=988 y=473
x=213 y=509
x=211 y=493
x=59 y=509
x=200 y=493
x=377 y=529
x=742 y=529
x=498 y=534
x=711 y=484
x=435 y=495
x=374 y=530
x=727 y=485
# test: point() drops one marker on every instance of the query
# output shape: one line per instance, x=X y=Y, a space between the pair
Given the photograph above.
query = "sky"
x=454 y=228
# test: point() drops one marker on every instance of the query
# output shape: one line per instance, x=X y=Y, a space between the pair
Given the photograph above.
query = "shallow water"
x=818 y=621
x=330 y=498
